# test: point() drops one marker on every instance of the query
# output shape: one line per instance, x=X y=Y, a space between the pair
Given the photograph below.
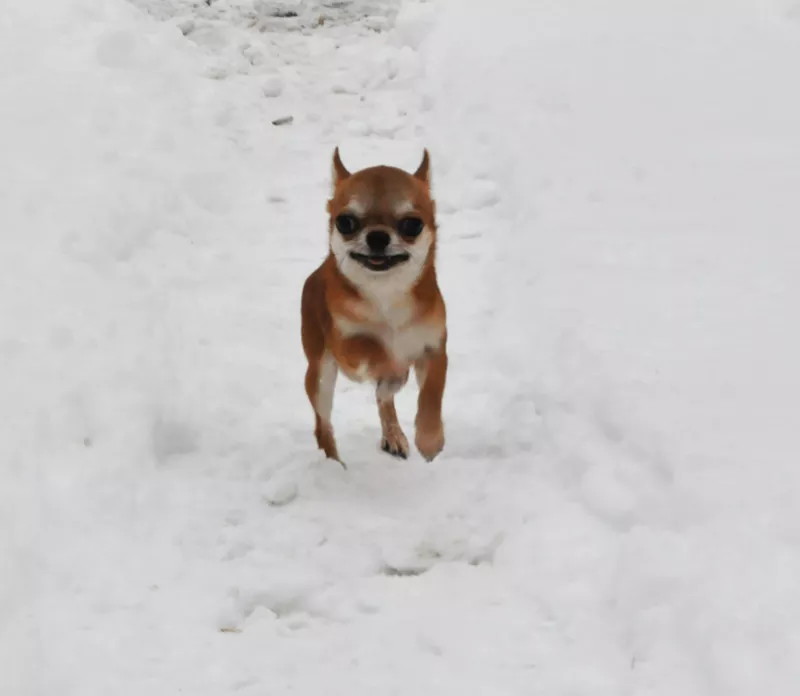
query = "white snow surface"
x=616 y=511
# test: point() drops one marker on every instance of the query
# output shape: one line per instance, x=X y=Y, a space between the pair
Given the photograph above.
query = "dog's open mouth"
x=379 y=262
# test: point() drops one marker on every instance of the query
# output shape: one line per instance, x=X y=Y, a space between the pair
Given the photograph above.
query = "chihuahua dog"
x=373 y=308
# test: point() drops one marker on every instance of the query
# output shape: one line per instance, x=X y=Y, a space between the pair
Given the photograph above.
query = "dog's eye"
x=346 y=224
x=410 y=227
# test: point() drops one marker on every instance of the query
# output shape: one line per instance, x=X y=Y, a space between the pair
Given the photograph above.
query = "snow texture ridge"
x=615 y=511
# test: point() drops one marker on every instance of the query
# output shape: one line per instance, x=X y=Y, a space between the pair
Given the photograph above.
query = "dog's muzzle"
x=379 y=262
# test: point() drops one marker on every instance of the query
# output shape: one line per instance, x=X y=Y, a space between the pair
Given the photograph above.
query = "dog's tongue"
x=376 y=260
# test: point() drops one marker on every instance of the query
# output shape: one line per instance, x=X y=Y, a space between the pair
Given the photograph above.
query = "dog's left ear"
x=340 y=172
x=423 y=172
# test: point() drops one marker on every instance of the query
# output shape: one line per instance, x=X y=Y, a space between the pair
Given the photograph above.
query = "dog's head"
x=382 y=224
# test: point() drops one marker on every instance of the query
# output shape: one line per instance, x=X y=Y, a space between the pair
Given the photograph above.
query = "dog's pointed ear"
x=340 y=172
x=423 y=172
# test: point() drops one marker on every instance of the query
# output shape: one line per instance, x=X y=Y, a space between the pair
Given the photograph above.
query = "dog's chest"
x=394 y=326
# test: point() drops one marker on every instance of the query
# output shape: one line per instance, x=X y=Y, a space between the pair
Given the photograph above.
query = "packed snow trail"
x=615 y=510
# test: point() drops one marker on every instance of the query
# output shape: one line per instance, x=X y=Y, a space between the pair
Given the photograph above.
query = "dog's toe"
x=395 y=444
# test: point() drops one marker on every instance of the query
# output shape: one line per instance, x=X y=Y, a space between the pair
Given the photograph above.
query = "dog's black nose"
x=378 y=240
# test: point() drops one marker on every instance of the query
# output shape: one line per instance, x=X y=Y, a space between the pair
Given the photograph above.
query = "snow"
x=615 y=511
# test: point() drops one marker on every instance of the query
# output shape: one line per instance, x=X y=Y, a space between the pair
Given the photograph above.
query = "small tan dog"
x=373 y=308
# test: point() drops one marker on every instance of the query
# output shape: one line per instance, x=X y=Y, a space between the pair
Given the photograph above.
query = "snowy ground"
x=616 y=510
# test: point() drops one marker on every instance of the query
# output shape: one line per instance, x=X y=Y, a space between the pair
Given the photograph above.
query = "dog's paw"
x=430 y=441
x=395 y=443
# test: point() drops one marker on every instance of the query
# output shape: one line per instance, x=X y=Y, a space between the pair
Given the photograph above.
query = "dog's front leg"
x=431 y=373
x=320 y=385
x=393 y=440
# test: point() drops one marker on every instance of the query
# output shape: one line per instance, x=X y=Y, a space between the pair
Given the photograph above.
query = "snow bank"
x=112 y=168
x=641 y=263
x=114 y=187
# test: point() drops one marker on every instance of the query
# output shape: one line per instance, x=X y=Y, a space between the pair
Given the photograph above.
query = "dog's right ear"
x=340 y=172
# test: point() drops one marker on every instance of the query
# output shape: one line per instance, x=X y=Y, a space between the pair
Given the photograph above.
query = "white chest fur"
x=392 y=324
